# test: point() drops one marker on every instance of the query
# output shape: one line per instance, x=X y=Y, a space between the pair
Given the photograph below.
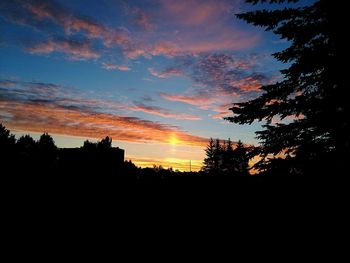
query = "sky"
x=158 y=76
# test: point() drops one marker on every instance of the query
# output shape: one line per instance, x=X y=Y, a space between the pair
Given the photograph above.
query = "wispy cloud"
x=142 y=19
x=202 y=100
x=168 y=72
x=220 y=79
x=74 y=49
x=42 y=107
x=196 y=12
x=138 y=106
x=178 y=27
x=111 y=66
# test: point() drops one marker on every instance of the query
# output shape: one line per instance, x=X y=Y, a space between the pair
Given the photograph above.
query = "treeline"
x=26 y=156
x=222 y=158
x=32 y=158
x=42 y=157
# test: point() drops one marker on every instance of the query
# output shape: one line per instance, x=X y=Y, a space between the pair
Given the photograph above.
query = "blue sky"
x=156 y=75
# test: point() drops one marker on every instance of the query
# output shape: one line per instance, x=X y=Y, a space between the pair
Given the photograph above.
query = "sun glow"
x=173 y=140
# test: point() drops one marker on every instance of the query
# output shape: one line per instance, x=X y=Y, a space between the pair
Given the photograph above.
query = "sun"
x=173 y=140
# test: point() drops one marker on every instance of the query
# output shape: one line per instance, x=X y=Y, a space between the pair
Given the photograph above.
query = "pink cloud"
x=110 y=66
x=123 y=68
x=132 y=52
x=142 y=20
x=73 y=23
x=169 y=72
x=65 y=18
x=165 y=48
x=196 y=12
x=202 y=100
x=253 y=82
x=75 y=49
x=222 y=111
x=162 y=112
x=174 y=28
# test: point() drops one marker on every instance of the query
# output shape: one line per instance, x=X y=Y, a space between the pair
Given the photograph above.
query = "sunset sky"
x=155 y=75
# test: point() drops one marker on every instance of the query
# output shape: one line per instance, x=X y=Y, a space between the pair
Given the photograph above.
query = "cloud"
x=222 y=111
x=196 y=12
x=123 y=68
x=147 y=98
x=74 y=49
x=168 y=72
x=201 y=100
x=141 y=19
x=252 y=82
x=204 y=26
x=72 y=22
x=137 y=16
x=138 y=106
x=174 y=28
x=42 y=15
x=219 y=80
x=39 y=107
x=111 y=66
x=165 y=48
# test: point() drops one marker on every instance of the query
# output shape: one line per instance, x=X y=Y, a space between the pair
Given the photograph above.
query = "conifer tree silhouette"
x=311 y=96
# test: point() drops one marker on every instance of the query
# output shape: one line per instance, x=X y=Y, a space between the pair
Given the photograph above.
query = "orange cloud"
x=222 y=110
x=58 y=120
x=161 y=112
x=40 y=107
x=252 y=82
x=201 y=100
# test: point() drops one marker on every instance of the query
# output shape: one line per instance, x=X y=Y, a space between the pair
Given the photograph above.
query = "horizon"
x=157 y=76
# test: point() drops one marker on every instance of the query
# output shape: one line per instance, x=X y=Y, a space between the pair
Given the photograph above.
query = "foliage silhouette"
x=209 y=160
x=222 y=159
x=7 y=140
x=92 y=170
x=309 y=104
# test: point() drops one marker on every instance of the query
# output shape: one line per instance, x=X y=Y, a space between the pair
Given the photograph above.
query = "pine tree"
x=311 y=94
x=209 y=160
x=218 y=157
x=240 y=159
x=228 y=158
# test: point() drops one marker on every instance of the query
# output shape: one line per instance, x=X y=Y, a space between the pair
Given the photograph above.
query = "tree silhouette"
x=214 y=160
x=7 y=145
x=7 y=140
x=218 y=157
x=307 y=112
x=105 y=143
x=26 y=143
x=222 y=159
x=47 y=149
x=46 y=142
x=89 y=146
x=227 y=162
x=209 y=160
x=240 y=159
